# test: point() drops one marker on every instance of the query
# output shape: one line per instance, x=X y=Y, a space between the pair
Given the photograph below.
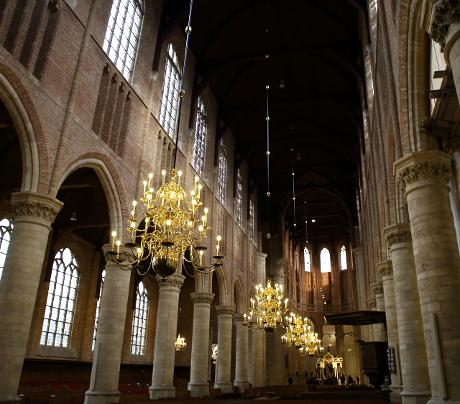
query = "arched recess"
x=116 y=201
x=238 y=297
x=26 y=132
x=221 y=286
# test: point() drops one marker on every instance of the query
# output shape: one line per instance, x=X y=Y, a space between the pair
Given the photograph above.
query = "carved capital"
x=122 y=260
x=226 y=310
x=377 y=288
x=31 y=204
x=423 y=166
x=443 y=14
x=174 y=281
x=200 y=297
x=396 y=234
x=371 y=302
x=385 y=268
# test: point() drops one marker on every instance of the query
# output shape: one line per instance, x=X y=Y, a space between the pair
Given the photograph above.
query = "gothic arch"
x=27 y=128
x=239 y=302
x=116 y=202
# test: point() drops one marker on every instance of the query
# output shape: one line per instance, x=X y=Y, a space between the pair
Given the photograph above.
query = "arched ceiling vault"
x=310 y=53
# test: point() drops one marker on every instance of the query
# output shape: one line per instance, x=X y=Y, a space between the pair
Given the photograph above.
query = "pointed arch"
x=325 y=260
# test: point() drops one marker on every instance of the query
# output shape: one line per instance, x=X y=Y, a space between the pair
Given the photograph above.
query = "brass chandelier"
x=180 y=343
x=311 y=343
x=267 y=306
x=300 y=334
x=172 y=223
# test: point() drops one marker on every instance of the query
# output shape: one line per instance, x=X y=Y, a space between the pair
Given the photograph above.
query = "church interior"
x=246 y=199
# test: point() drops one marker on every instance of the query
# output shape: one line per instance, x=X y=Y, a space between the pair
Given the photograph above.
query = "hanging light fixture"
x=295 y=330
x=311 y=343
x=180 y=343
x=268 y=306
x=172 y=223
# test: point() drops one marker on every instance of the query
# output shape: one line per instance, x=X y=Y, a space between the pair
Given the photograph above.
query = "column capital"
x=35 y=205
x=426 y=165
x=443 y=14
x=174 y=281
x=228 y=310
x=238 y=317
x=398 y=233
x=123 y=261
x=202 y=297
x=377 y=288
x=385 y=269
x=372 y=303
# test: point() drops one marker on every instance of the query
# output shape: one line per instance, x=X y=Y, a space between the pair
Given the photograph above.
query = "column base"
x=241 y=384
x=414 y=397
x=9 y=398
x=395 y=389
x=198 y=390
x=157 y=392
x=441 y=401
x=101 y=397
x=224 y=387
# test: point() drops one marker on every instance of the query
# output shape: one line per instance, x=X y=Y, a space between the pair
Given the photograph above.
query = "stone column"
x=105 y=371
x=251 y=353
x=414 y=366
x=223 y=379
x=378 y=329
x=259 y=357
x=241 y=354
x=445 y=29
x=386 y=271
x=199 y=385
x=34 y=214
x=165 y=351
x=424 y=177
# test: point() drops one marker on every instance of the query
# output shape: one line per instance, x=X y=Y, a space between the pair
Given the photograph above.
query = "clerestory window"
x=201 y=131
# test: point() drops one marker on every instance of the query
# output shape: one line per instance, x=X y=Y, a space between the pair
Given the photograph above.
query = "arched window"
x=171 y=89
x=122 y=36
x=325 y=258
x=252 y=221
x=60 y=304
x=343 y=258
x=437 y=63
x=221 y=173
x=201 y=130
x=98 y=309
x=239 y=198
x=306 y=260
x=6 y=228
x=139 y=328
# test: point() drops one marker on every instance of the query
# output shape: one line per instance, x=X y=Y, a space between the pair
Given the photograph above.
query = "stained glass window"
x=98 y=308
x=122 y=35
x=6 y=228
x=325 y=258
x=139 y=328
x=60 y=304
x=171 y=89
x=201 y=130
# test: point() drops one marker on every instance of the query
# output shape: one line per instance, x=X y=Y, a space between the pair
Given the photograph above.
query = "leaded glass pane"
x=140 y=321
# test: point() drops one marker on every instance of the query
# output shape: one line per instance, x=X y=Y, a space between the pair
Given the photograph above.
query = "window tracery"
x=201 y=130
x=239 y=198
x=221 y=174
x=98 y=309
x=139 y=327
x=325 y=259
x=6 y=229
x=306 y=259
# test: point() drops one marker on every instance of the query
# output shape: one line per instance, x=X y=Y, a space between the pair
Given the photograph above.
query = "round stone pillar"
x=241 y=354
x=424 y=177
x=378 y=329
x=223 y=379
x=251 y=353
x=259 y=357
x=414 y=365
x=386 y=271
x=105 y=371
x=165 y=351
x=33 y=215
x=445 y=29
x=199 y=385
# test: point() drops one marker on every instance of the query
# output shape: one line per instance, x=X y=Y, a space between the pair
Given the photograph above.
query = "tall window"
x=98 y=309
x=201 y=130
x=122 y=35
x=221 y=174
x=6 y=228
x=252 y=221
x=60 y=304
x=325 y=258
x=239 y=198
x=437 y=63
x=306 y=260
x=171 y=89
x=343 y=258
x=140 y=321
